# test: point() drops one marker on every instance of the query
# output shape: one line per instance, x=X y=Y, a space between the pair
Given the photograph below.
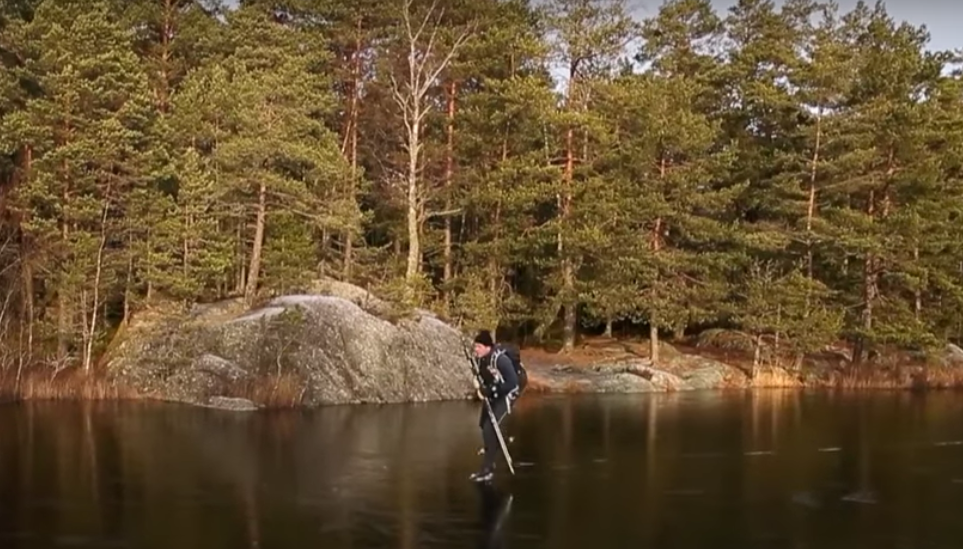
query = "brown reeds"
x=273 y=391
x=71 y=384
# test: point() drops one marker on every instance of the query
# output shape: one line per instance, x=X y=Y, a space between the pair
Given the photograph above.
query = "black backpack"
x=513 y=354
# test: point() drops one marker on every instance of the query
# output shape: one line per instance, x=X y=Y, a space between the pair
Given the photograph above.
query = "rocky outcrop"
x=338 y=348
x=637 y=375
x=679 y=371
x=339 y=344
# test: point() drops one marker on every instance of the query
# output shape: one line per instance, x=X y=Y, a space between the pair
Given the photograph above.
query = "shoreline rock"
x=323 y=349
x=341 y=345
x=691 y=372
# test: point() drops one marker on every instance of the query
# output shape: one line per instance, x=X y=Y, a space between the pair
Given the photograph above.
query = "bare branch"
x=444 y=213
x=424 y=23
x=402 y=101
x=429 y=50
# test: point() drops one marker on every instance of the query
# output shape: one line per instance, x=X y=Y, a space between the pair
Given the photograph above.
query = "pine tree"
x=590 y=40
x=504 y=100
x=89 y=132
x=885 y=144
x=282 y=156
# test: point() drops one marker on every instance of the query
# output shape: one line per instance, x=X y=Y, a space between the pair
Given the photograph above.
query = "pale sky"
x=942 y=18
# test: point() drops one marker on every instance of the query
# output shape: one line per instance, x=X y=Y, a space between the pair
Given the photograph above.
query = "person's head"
x=483 y=343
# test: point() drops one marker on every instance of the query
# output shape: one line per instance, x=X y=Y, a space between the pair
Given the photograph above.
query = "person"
x=499 y=385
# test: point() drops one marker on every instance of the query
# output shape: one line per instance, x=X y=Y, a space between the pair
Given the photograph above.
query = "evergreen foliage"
x=791 y=174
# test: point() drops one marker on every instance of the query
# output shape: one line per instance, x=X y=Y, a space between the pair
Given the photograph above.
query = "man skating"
x=499 y=385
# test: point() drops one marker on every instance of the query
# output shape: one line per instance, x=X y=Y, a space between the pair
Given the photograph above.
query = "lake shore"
x=599 y=365
x=604 y=365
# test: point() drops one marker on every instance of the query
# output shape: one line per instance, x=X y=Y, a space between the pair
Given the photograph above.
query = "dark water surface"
x=699 y=470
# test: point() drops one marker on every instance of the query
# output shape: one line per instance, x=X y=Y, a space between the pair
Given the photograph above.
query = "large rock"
x=334 y=350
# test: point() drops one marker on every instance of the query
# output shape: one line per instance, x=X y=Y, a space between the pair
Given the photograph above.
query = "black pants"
x=492 y=448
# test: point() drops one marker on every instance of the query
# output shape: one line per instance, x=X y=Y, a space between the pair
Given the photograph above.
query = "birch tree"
x=423 y=64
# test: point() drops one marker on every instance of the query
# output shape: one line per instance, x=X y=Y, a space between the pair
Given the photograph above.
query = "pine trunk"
x=26 y=265
x=188 y=225
x=128 y=284
x=239 y=275
x=254 y=269
x=63 y=314
x=449 y=175
x=656 y=243
x=568 y=269
x=164 y=78
x=653 y=320
x=150 y=274
x=811 y=209
x=869 y=290
x=352 y=137
x=917 y=292
x=494 y=268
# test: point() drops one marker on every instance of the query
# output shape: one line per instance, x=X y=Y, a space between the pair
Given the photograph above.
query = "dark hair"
x=485 y=338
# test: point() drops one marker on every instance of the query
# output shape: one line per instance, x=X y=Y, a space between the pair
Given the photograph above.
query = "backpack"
x=515 y=356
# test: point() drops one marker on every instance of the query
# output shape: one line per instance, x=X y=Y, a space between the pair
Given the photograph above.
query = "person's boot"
x=485 y=475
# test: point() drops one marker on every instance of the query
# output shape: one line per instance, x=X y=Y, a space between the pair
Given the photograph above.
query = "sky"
x=942 y=18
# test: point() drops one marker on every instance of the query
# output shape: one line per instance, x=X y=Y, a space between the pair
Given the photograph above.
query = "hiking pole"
x=488 y=408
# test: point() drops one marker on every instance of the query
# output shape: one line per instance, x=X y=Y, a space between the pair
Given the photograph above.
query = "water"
x=765 y=470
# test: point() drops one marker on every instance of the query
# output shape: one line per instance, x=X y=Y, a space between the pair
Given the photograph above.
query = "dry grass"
x=826 y=370
x=931 y=377
x=284 y=391
x=67 y=385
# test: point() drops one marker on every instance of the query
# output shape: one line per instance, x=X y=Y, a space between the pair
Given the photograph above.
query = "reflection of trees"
x=621 y=471
x=166 y=475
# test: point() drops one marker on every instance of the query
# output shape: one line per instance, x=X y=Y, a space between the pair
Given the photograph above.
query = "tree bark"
x=424 y=65
x=811 y=209
x=917 y=292
x=91 y=330
x=128 y=284
x=62 y=307
x=871 y=263
x=656 y=248
x=653 y=318
x=869 y=290
x=254 y=269
x=239 y=275
x=26 y=264
x=351 y=133
x=568 y=268
x=449 y=175
x=413 y=265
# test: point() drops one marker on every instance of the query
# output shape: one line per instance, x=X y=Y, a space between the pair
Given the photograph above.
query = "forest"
x=788 y=176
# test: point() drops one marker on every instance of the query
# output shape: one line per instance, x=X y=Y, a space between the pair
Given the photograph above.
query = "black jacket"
x=499 y=379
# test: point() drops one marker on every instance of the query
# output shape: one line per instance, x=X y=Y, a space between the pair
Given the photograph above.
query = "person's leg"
x=491 y=445
x=490 y=438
